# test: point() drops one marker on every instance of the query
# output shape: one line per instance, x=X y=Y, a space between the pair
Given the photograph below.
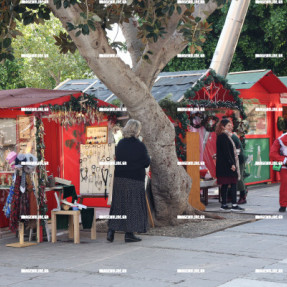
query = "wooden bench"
x=205 y=193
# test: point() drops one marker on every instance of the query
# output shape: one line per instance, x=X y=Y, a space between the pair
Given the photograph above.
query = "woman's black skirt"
x=129 y=200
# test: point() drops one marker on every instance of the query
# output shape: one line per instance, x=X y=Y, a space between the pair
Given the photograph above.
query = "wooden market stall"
x=59 y=124
x=262 y=92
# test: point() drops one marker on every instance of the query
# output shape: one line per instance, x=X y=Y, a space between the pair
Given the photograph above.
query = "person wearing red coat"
x=278 y=153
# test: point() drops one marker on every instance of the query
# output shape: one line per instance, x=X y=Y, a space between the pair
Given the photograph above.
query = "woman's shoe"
x=110 y=235
x=242 y=200
x=130 y=237
x=282 y=209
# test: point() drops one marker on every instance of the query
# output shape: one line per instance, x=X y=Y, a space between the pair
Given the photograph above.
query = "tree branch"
x=134 y=45
x=113 y=72
x=148 y=72
x=165 y=50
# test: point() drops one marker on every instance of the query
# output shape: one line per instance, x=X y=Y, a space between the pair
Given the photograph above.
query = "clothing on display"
x=21 y=200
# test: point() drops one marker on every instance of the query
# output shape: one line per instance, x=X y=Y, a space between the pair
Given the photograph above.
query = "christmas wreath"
x=281 y=125
x=211 y=127
x=193 y=117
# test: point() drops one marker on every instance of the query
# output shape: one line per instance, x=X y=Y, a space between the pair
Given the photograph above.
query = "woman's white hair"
x=132 y=128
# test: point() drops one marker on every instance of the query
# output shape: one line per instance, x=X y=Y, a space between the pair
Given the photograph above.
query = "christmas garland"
x=184 y=120
x=41 y=170
x=83 y=109
x=207 y=80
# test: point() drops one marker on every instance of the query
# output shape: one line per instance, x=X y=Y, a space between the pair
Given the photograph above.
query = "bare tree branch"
x=134 y=45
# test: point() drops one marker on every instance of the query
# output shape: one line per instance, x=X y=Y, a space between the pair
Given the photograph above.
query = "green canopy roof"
x=245 y=79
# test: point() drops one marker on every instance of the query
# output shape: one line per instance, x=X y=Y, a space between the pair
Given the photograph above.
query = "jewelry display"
x=84 y=178
x=96 y=178
x=96 y=135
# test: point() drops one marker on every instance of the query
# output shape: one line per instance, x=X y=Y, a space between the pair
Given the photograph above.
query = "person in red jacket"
x=278 y=153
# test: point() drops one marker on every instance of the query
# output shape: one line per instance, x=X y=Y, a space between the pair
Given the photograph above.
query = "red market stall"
x=262 y=93
x=66 y=118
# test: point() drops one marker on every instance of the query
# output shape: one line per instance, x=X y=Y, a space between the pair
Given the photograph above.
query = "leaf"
x=165 y=10
x=78 y=33
x=171 y=10
x=197 y=19
x=66 y=4
x=70 y=26
x=199 y=48
x=10 y=57
x=58 y=4
x=83 y=15
x=192 y=49
x=64 y=50
x=97 y=18
x=7 y=42
x=91 y=25
x=155 y=37
x=149 y=28
x=28 y=20
x=178 y=9
x=85 y=30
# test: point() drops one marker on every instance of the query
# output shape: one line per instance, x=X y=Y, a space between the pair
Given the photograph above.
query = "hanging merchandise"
x=97 y=168
x=21 y=200
x=95 y=135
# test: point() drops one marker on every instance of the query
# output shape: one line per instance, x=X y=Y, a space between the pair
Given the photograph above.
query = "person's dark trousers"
x=224 y=189
x=240 y=184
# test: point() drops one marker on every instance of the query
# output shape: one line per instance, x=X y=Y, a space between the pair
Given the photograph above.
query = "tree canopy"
x=52 y=67
x=264 y=32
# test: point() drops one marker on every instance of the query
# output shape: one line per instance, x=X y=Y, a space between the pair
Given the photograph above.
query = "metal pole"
x=229 y=37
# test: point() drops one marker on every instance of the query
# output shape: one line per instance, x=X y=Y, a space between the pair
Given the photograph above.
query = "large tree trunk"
x=170 y=182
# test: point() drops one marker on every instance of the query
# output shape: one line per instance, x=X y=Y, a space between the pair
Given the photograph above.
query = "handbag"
x=277 y=167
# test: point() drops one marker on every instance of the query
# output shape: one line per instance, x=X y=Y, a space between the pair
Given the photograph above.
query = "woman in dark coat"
x=129 y=185
x=227 y=164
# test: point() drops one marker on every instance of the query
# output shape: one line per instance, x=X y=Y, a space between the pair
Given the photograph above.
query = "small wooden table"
x=74 y=224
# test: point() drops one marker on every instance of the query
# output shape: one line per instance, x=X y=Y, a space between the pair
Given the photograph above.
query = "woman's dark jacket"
x=225 y=157
x=238 y=145
x=134 y=152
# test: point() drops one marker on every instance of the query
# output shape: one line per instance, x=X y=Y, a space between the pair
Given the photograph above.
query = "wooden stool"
x=74 y=224
x=74 y=227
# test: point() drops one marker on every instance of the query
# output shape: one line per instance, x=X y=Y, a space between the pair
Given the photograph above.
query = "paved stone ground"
x=228 y=258
x=261 y=199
